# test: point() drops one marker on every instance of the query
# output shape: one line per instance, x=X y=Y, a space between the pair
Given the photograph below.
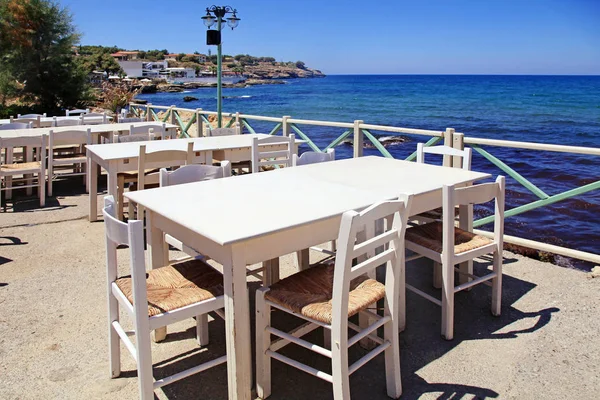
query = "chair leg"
x=339 y=364
x=50 y=173
x=120 y=192
x=42 y=189
x=497 y=285
x=447 y=300
x=202 y=329
x=437 y=275
x=401 y=312
x=392 y=355
x=263 y=342
x=113 y=338
x=84 y=169
x=144 y=365
x=270 y=272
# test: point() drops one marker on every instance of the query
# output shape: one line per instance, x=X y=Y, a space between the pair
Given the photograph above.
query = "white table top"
x=47 y=121
x=101 y=128
x=117 y=151
x=235 y=209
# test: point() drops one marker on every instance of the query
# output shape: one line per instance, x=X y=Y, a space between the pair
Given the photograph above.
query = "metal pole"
x=219 y=84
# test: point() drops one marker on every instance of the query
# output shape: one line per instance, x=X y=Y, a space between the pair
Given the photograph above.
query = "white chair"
x=159 y=130
x=188 y=174
x=123 y=120
x=35 y=122
x=4 y=155
x=225 y=131
x=464 y=154
x=154 y=299
x=147 y=174
x=65 y=122
x=93 y=118
x=10 y=169
x=77 y=112
x=16 y=125
x=448 y=245
x=326 y=296
x=313 y=157
x=138 y=137
x=34 y=116
x=75 y=162
x=267 y=152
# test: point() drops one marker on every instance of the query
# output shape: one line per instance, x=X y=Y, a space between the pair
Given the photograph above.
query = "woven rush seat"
x=33 y=166
x=309 y=293
x=177 y=285
x=430 y=236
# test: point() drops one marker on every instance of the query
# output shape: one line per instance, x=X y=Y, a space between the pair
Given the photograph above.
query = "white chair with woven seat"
x=159 y=130
x=444 y=243
x=74 y=161
x=36 y=122
x=189 y=174
x=266 y=154
x=10 y=169
x=4 y=156
x=326 y=296
x=93 y=118
x=225 y=131
x=123 y=120
x=147 y=175
x=77 y=112
x=154 y=299
x=65 y=122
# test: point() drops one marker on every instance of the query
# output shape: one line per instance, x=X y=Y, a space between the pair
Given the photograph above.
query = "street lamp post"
x=213 y=37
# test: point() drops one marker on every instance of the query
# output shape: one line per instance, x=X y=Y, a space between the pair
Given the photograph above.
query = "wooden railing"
x=359 y=132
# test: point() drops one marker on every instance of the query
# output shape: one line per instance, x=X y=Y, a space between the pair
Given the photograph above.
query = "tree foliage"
x=37 y=38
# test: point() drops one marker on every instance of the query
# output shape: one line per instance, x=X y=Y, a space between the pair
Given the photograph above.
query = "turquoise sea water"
x=547 y=109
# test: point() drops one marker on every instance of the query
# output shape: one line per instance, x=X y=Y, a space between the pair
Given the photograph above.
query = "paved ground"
x=54 y=328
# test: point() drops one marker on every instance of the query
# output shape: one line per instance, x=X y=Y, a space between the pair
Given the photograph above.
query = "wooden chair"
x=225 y=131
x=16 y=125
x=122 y=120
x=154 y=299
x=4 y=155
x=10 y=169
x=326 y=296
x=87 y=118
x=76 y=162
x=188 y=174
x=159 y=130
x=65 y=122
x=77 y=112
x=148 y=175
x=313 y=157
x=448 y=245
x=35 y=122
x=265 y=153
x=34 y=116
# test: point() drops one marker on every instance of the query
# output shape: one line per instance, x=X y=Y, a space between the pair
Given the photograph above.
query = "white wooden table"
x=47 y=121
x=248 y=219
x=95 y=129
x=122 y=157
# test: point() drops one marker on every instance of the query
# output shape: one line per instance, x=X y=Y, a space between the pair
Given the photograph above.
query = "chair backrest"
x=159 y=130
x=194 y=173
x=225 y=131
x=172 y=157
x=313 y=157
x=77 y=112
x=123 y=120
x=33 y=116
x=138 y=137
x=476 y=194
x=70 y=137
x=16 y=125
x=265 y=152
x=40 y=143
x=360 y=239
x=130 y=234
x=445 y=151
x=65 y=122
x=35 y=122
x=85 y=118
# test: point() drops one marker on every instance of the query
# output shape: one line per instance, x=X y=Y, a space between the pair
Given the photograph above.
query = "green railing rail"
x=357 y=131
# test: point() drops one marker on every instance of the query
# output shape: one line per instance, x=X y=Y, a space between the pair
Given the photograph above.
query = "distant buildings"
x=125 y=55
x=136 y=67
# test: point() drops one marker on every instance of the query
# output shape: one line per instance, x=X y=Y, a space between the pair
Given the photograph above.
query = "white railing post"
x=172 y=115
x=358 y=139
x=448 y=141
x=149 y=112
x=285 y=126
x=199 y=123
x=458 y=142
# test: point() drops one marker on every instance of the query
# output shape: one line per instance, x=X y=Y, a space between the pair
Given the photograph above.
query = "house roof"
x=124 y=53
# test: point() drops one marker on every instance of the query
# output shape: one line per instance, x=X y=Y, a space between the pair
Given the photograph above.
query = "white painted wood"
x=132 y=235
x=88 y=118
x=453 y=197
x=225 y=131
x=79 y=137
x=77 y=112
x=65 y=122
x=265 y=154
x=464 y=155
x=16 y=126
x=313 y=157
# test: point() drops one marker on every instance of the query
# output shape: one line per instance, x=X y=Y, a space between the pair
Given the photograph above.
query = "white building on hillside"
x=181 y=72
x=133 y=69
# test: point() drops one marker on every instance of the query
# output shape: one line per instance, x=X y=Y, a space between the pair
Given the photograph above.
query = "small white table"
x=122 y=157
x=247 y=219
x=47 y=121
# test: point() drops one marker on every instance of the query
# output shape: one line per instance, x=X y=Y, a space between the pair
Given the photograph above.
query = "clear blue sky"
x=359 y=37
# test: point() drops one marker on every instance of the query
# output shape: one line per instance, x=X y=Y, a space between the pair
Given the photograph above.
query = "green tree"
x=300 y=65
x=36 y=42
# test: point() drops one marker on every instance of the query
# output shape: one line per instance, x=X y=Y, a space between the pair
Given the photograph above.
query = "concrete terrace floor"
x=54 y=327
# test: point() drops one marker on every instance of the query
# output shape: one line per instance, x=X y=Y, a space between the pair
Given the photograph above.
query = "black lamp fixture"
x=216 y=14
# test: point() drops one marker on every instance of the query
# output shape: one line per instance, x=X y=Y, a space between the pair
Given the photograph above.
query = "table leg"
x=156 y=257
x=302 y=259
x=92 y=178
x=237 y=326
x=29 y=177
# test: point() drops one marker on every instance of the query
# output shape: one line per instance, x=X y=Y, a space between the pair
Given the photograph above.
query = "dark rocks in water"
x=386 y=141
x=148 y=89
x=189 y=98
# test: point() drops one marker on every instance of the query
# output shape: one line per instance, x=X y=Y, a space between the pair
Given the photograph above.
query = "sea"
x=562 y=110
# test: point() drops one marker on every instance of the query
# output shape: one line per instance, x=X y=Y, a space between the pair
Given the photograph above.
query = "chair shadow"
x=4 y=260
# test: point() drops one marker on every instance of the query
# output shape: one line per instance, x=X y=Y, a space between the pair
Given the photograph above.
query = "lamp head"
x=208 y=19
x=233 y=21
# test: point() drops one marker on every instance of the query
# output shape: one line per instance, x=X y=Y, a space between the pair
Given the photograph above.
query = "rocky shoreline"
x=178 y=88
